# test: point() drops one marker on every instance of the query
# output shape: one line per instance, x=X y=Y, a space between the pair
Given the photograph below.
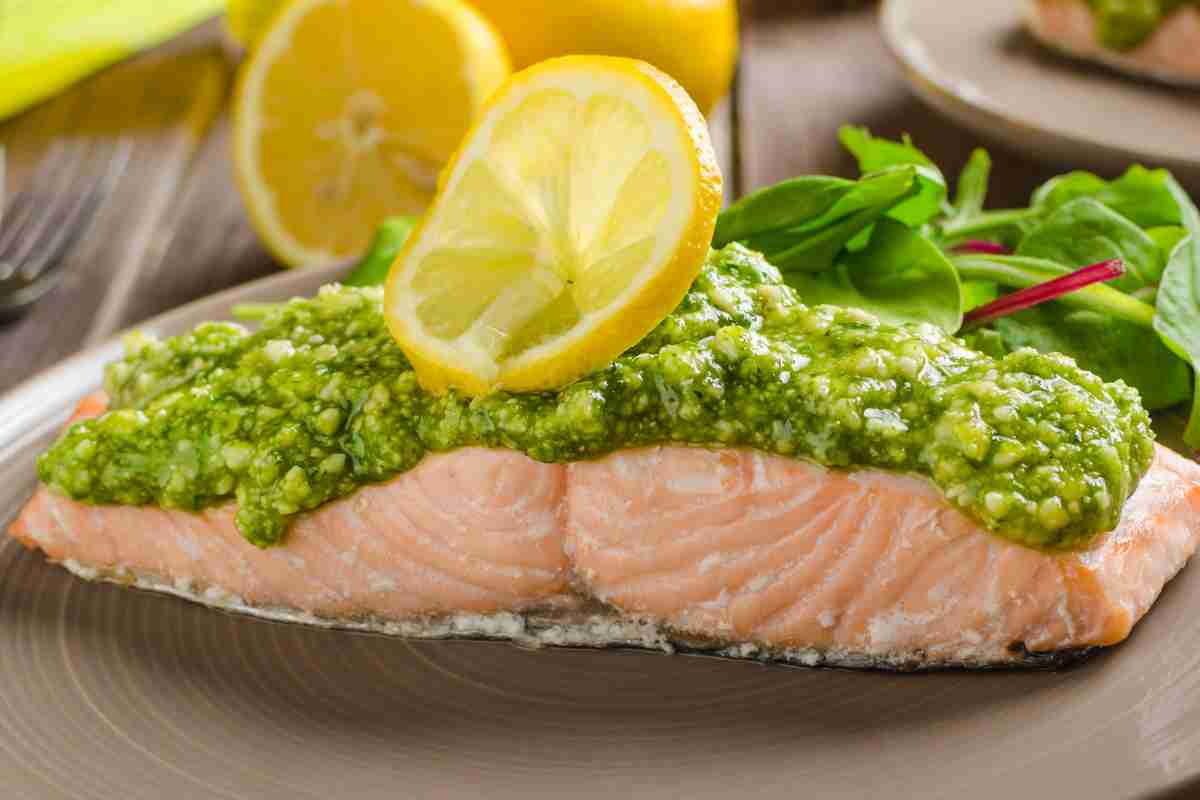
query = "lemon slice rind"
x=660 y=173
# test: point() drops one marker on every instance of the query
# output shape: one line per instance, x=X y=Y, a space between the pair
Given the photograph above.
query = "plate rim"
x=984 y=115
x=16 y=410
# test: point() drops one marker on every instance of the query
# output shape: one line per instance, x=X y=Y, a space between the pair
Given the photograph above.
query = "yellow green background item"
x=248 y=20
x=46 y=45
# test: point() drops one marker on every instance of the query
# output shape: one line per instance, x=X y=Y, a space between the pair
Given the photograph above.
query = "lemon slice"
x=572 y=220
x=346 y=111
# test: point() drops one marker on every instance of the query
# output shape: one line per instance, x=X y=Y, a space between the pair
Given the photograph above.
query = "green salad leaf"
x=372 y=270
x=894 y=243
x=1085 y=231
x=971 y=191
x=1006 y=227
x=1167 y=238
x=803 y=224
x=1078 y=219
x=1109 y=346
x=1178 y=317
x=900 y=276
x=875 y=154
x=792 y=203
x=1143 y=196
x=839 y=242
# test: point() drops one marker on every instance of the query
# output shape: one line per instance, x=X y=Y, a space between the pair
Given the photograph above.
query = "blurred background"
x=118 y=131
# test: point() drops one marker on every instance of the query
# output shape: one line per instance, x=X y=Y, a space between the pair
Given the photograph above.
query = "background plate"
x=974 y=62
x=107 y=692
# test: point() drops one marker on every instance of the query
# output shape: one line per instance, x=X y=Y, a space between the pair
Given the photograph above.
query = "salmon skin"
x=1171 y=54
x=728 y=552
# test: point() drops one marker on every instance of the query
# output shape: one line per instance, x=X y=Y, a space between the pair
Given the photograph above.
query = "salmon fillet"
x=731 y=551
x=1171 y=54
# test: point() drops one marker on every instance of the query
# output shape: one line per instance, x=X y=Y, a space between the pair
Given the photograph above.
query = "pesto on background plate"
x=1125 y=24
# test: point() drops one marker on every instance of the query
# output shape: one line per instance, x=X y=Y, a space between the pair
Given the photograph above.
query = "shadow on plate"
x=153 y=646
x=1020 y=43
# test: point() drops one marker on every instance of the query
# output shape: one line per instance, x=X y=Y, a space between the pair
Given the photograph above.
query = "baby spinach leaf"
x=900 y=275
x=875 y=154
x=1144 y=196
x=372 y=270
x=816 y=251
x=1178 y=317
x=836 y=215
x=1112 y=348
x=1007 y=227
x=1084 y=231
x=1062 y=189
x=1140 y=195
x=978 y=293
x=785 y=205
x=1167 y=237
x=880 y=191
x=972 y=189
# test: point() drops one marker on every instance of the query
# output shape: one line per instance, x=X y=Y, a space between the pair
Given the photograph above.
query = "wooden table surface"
x=174 y=228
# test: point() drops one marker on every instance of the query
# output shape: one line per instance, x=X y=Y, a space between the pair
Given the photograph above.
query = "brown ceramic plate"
x=974 y=62
x=107 y=692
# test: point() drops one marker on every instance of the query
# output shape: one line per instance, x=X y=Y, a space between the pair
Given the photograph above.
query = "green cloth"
x=46 y=45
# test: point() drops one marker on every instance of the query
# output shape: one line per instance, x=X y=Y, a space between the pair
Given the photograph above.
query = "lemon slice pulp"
x=572 y=220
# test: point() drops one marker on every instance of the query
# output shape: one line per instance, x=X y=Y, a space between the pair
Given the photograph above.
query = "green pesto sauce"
x=1125 y=24
x=321 y=401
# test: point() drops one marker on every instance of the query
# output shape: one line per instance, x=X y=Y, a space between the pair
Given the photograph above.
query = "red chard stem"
x=981 y=246
x=1044 y=292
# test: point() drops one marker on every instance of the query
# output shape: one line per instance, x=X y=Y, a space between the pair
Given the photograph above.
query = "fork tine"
x=24 y=212
x=17 y=201
x=61 y=237
x=46 y=192
x=78 y=222
x=56 y=223
x=52 y=178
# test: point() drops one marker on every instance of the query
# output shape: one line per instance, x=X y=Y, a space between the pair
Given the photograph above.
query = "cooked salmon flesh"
x=737 y=550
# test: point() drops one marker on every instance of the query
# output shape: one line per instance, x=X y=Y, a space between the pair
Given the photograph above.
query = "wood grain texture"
x=209 y=244
x=160 y=106
x=807 y=72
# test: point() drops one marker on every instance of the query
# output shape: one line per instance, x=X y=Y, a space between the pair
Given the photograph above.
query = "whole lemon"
x=694 y=41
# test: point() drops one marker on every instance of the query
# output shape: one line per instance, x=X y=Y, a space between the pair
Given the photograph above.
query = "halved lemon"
x=572 y=220
x=346 y=111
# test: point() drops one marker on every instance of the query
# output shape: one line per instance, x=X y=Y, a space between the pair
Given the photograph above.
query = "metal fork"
x=42 y=222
